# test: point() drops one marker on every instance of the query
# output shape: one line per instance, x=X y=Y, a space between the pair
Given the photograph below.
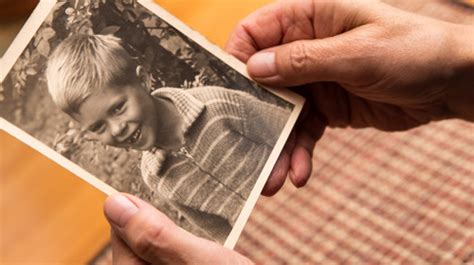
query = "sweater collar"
x=187 y=105
x=189 y=109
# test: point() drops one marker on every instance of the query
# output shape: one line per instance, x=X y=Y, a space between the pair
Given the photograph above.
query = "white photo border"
x=31 y=27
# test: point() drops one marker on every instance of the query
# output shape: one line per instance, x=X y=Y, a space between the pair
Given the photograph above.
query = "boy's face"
x=122 y=116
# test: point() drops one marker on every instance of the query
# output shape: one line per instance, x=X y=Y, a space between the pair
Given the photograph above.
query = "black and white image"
x=130 y=96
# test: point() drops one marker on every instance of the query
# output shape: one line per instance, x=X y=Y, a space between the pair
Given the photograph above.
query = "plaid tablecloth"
x=374 y=198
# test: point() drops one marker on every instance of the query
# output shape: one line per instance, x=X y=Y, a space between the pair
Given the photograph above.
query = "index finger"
x=287 y=21
x=269 y=26
x=121 y=253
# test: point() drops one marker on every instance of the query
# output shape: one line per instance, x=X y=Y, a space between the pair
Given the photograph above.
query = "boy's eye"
x=118 y=108
x=97 y=128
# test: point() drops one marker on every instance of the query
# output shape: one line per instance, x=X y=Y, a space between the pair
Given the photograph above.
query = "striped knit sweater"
x=228 y=138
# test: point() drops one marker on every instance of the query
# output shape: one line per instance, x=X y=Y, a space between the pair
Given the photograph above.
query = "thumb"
x=156 y=239
x=342 y=58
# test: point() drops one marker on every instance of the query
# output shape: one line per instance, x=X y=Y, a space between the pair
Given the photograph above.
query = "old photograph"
x=128 y=98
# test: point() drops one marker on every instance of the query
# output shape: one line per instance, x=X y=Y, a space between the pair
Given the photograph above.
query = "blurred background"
x=48 y=215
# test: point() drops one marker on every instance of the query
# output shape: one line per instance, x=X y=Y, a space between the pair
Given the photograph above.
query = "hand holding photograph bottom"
x=130 y=99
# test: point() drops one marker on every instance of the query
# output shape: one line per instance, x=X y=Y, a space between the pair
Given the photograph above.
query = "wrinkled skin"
x=358 y=63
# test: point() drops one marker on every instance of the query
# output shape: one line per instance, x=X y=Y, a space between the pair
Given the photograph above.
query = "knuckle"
x=147 y=243
x=299 y=57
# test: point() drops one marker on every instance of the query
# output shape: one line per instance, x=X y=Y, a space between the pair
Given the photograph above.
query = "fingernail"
x=262 y=65
x=119 y=209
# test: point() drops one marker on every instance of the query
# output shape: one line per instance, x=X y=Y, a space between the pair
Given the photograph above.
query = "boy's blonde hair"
x=83 y=64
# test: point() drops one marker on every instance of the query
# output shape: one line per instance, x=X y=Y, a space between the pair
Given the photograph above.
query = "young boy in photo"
x=203 y=148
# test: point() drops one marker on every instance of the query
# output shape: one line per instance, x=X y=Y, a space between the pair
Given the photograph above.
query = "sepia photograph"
x=131 y=100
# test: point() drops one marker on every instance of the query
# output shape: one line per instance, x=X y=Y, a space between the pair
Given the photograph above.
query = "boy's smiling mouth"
x=132 y=139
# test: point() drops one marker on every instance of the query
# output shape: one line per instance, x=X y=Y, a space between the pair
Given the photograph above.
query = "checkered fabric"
x=375 y=198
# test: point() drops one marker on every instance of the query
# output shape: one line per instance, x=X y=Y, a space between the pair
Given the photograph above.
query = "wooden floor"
x=47 y=214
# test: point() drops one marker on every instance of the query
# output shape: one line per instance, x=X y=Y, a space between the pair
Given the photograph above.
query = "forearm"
x=460 y=94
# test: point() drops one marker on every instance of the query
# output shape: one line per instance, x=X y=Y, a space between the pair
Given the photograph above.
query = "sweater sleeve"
x=209 y=225
x=263 y=122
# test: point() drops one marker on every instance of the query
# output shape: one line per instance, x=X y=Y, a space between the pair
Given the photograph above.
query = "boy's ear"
x=143 y=77
x=139 y=71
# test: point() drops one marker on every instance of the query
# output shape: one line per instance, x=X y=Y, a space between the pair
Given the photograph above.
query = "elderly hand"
x=359 y=64
x=143 y=235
